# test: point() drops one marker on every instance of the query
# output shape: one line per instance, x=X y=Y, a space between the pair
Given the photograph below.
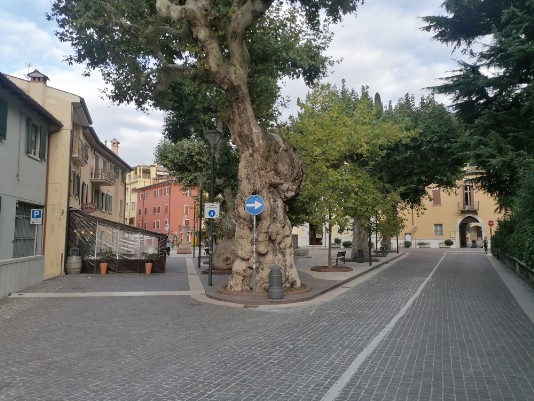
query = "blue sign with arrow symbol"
x=254 y=205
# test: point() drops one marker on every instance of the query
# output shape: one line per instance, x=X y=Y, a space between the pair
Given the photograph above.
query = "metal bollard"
x=275 y=283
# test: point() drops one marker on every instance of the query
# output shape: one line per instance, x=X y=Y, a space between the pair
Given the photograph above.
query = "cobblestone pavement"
x=432 y=326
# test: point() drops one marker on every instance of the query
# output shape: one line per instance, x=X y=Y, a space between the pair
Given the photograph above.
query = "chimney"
x=115 y=146
x=38 y=86
x=37 y=76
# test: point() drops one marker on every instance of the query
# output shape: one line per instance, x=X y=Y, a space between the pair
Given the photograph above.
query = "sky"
x=382 y=47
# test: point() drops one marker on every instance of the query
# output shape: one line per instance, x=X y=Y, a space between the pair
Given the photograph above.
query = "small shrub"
x=150 y=256
x=448 y=242
x=407 y=244
x=347 y=244
x=105 y=254
x=423 y=243
x=337 y=241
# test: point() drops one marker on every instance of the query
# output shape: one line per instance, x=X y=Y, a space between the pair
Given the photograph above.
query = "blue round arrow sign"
x=254 y=205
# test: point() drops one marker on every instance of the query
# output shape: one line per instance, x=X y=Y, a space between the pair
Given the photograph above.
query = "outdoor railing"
x=524 y=271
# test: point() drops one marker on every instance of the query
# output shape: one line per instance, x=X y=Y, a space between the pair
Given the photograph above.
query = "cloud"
x=26 y=42
x=382 y=47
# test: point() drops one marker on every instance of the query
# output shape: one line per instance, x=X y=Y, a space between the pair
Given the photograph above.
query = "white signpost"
x=254 y=205
x=211 y=210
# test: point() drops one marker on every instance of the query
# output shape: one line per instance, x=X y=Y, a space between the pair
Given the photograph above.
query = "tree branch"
x=239 y=23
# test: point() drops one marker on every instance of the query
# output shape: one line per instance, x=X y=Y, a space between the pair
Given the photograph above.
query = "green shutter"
x=29 y=135
x=3 y=119
x=43 y=135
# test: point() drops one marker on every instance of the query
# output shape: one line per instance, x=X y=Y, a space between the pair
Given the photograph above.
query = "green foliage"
x=448 y=242
x=493 y=93
x=105 y=254
x=140 y=53
x=150 y=257
x=337 y=135
x=407 y=244
x=337 y=241
x=429 y=156
x=347 y=244
x=515 y=233
x=187 y=158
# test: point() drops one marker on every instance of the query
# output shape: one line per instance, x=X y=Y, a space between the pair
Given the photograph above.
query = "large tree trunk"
x=224 y=253
x=268 y=165
x=360 y=239
x=270 y=168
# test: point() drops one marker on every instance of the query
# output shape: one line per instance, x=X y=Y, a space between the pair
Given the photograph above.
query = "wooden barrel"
x=74 y=264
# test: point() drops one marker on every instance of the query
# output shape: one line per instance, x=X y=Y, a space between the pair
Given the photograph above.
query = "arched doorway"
x=316 y=235
x=470 y=232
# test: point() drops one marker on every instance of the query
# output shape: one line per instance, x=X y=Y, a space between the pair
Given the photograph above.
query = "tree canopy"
x=217 y=61
x=149 y=53
x=493 y=92
x=338 y=134
x=429 y=157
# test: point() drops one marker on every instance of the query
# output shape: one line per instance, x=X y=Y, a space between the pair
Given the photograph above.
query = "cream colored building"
x=83 y=173
x=463 y=215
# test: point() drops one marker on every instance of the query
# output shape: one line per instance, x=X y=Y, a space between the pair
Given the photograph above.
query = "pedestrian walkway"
x=318 y=283
x=184 y=278
x=433 y=324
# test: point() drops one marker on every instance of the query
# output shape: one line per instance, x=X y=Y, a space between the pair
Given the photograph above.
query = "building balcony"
x=80 y=152
x=472 y=208
x=102 y=177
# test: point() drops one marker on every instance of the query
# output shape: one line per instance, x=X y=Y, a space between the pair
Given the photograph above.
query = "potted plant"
x=448 y=242
x=407 y=244
x=149 y=259
x=104 y=256
x=423 y=244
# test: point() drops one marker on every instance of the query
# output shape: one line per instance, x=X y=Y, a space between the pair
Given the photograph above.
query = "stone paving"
x=423 y=327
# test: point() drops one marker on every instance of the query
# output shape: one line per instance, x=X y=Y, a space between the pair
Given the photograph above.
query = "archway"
x=470 y=232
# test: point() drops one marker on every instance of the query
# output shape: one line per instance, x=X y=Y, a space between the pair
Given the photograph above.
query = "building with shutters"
x=26 y=129
x=141 y=176
x=462 y=215
x=82 y=172
x=167 y=207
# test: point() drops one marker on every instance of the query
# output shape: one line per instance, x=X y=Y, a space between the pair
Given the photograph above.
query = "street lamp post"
x=201 y=179
x=212 y=137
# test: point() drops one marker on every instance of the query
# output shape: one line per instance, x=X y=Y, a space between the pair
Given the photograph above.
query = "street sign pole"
x=254 y=256
x=254 y=205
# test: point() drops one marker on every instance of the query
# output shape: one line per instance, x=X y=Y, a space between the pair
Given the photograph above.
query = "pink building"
x=165 y=207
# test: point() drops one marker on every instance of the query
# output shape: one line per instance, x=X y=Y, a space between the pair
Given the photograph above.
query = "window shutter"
x=436 y=197
x=43 y=134
x=3 y=119
x=29 y=135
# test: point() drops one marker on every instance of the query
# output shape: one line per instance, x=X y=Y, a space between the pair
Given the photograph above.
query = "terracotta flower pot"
x=103 y=267
x=148 y=267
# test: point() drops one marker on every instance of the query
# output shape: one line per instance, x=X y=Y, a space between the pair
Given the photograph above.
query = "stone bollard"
x=275 y=283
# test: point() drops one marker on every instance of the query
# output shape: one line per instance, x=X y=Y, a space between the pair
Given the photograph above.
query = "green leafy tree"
x=337 y=134
x=515 y=233
x=493 y=92
x=143 y=47
x=431 y=156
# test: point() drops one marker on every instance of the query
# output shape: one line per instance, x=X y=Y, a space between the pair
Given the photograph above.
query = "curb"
x=252 y=300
